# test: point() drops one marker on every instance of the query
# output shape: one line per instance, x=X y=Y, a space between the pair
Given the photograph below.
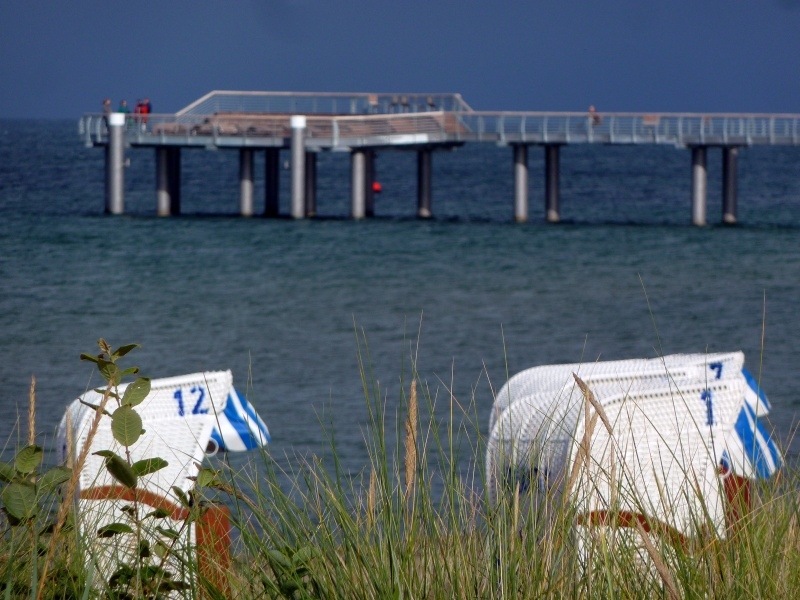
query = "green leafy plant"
x=145 y=572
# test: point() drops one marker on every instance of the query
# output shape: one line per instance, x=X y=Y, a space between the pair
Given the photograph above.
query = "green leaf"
x=103 y=344
x=95 y=407
x=126 y=425
x=113 y=529
x=289 y=587
x=130 y=371
x=19 y=500
x=119 y=469
x=7 y=472
x=53 y=478
x=110 y=372
x=170 y=533
x=276 y=557
x=303 y=556
x=91 y=357
x=161 y=549
x=159 y=513
x=206 y=477
x=121 y=577
x=184 y=499
x=28 y=459
x=148 y=465
x=144 y=549
x=123 y=350
x=136 y=392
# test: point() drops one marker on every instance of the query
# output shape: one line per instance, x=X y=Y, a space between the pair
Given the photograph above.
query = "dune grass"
x=414 y=523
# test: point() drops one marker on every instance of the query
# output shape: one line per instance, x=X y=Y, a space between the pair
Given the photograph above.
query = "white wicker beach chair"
x=183 y=418
x=684 y=432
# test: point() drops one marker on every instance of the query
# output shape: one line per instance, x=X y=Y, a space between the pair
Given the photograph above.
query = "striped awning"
x=238 y=427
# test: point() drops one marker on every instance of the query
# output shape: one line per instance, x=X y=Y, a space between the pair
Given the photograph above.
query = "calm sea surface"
x=469 y=294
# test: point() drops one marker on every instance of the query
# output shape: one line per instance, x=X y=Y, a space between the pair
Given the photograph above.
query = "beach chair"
x=682 y=437
x=183 y=418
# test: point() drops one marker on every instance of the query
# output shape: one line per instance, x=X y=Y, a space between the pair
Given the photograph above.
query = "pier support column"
x=729 y=184
x=311 y=184
x=520 y=182
x=272 y=179
x=174 y=159
x=369 y=180
x=168 y=200
x=298 y=167
x=358 y=170
x=115 y=167
x=424 y=182
x=699 y=181
x=246 y=182
x=551 y=180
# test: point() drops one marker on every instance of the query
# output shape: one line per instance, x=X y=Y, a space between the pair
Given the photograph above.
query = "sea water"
x=468 y=297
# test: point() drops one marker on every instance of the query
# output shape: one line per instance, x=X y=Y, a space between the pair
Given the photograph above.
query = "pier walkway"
x=307 y=123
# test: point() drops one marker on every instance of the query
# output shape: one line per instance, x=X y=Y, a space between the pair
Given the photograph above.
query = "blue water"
x=469 y=294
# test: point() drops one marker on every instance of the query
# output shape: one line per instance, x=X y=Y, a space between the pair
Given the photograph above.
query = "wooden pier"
x=305 y=124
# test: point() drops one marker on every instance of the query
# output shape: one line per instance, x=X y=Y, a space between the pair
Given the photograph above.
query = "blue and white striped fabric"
x=755 y=396
x=750 y=451
x=239 y=427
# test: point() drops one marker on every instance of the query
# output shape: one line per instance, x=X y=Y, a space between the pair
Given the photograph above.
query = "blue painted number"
x=201 y=394
x=706 y=397
x=716 y=366
x=179 y=397
x=198 y=409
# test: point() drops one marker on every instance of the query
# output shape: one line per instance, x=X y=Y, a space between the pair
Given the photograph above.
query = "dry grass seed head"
x=411 y=440
x=32 y=412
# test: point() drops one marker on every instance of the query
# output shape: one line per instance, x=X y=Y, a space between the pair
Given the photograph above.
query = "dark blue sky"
x=59 y=59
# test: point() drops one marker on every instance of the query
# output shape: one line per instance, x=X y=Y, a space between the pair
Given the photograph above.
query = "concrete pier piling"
x=272 y=182
x=520 y=182
x=551 y=181
x=298 y=123
x=699 y=185
x=246 y=182
x=311 y=184
x=729 y=184
x=115 y=167
x=163 y=187
x=369 y=182
x=168 y=181
x=358 y=170
x=175 y=180
x=424 y=182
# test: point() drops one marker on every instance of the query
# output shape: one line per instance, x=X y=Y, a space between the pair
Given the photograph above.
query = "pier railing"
x=250 y=127
x=302 y=103
x=680 y=129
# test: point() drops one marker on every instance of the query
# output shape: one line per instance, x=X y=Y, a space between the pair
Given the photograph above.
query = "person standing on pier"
x=123 y=108
x=594 y=117
x=147 y=108
x=106 y=110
